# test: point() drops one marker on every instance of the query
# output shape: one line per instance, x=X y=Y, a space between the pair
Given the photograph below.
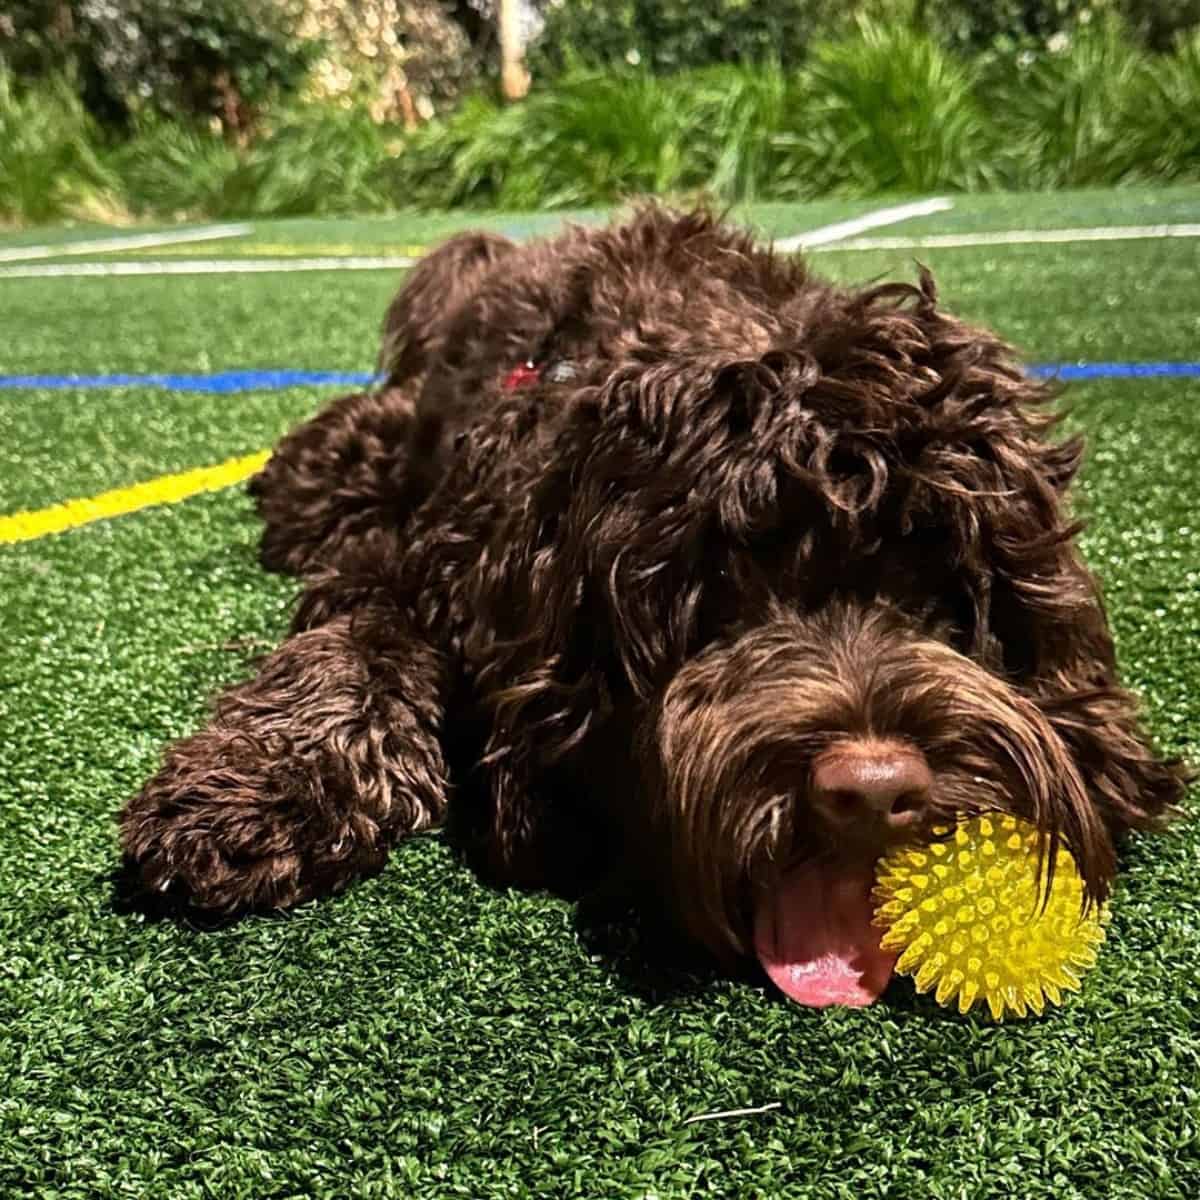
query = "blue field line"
x=1118 y=370
x=220 y=381
x=254 y=381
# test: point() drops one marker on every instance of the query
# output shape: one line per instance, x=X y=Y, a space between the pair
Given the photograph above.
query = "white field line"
x=814 y=237
x=1020 y=237
x=871 y=220
x=136 y=241
x=825 y=240
x=225 y=266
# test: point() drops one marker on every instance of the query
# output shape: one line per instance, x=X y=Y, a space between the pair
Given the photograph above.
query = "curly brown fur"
x=338 y=479
x=742 y=516
x=305 y=775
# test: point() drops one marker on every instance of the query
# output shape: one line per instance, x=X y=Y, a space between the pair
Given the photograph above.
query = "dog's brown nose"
x=870 y=786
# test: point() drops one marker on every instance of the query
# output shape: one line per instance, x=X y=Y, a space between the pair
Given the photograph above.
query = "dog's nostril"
x=876 y=782
x=910 y=802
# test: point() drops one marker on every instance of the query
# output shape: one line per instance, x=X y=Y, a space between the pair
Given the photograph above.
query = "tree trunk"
x=514 y=78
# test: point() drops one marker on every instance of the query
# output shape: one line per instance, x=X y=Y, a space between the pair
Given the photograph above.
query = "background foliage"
x=185 y=58
x=667 y=35
x=884 y=109
x=168 y=108
x=400 y=59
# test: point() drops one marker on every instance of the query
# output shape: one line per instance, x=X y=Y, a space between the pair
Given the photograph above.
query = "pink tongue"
x=815 y=940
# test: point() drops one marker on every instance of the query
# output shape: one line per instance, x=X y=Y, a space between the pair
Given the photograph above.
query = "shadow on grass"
x=128 y=897
x=657 y=965
x=649 y=958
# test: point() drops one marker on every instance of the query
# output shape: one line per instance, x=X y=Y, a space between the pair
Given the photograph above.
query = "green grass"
x=425 y=1036
x=1106 y=301
x=1179 y=204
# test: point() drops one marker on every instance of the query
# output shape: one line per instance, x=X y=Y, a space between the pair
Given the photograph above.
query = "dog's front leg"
x=306 y=775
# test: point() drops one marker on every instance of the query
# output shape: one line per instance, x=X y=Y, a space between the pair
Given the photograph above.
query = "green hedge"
x=885 y=111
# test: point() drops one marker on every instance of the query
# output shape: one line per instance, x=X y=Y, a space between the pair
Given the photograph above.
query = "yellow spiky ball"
x=966 y=915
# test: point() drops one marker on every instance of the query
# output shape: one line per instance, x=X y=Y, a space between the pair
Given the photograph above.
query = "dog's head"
x=795 y=582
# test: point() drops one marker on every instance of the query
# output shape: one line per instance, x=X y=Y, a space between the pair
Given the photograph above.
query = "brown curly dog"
x=657 y=563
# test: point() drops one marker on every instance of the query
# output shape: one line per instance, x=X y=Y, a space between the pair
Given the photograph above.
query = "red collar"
x=528 y=374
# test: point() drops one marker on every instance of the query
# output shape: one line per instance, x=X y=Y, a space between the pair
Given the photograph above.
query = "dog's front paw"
x=230 y=824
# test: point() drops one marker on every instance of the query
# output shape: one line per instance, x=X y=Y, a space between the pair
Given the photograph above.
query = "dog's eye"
x=723 y=603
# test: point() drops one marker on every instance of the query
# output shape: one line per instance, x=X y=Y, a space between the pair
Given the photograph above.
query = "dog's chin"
x=814 y=937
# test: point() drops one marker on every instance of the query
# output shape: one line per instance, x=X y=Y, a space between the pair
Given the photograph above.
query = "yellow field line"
x=166 y=489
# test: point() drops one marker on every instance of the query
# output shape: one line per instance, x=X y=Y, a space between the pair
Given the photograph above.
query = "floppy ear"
x=1048 y=610
x=1049 y=615
x=591 y=586
x=1017 y=539
x=441 y=282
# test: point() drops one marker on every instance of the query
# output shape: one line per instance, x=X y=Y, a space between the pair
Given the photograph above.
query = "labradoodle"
x=657 y=563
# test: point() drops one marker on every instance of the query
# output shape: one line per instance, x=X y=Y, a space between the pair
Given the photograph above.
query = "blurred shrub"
x=1158 y=23
x=591 y=139
x=50 y=167
x=670 y=35
x=884 y=110
x=182 y=58
x=892 y=111
x=1160 y=128
x=457 y=161
x=746 y=132
x=981 y=24
x=403 y=59
x=170 y=168
x=975 y=25
x=597 y=138
x=319 y=159
x=887 y=110
x=1065 y=114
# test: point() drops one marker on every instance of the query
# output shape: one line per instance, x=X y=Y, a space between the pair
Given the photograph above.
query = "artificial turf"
x=425 y=1036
